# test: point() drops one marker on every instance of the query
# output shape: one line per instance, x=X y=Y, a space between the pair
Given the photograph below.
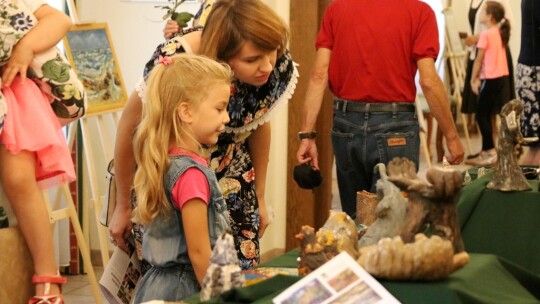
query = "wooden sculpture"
x=336 y=235
x=432 y=205
x=425 y=259
x=507 y=175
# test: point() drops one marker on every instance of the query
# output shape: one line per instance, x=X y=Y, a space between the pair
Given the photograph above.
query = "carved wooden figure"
x=432 y=204
x=507 y=175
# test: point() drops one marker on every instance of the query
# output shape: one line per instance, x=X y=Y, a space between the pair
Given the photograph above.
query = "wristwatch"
x=304 y=135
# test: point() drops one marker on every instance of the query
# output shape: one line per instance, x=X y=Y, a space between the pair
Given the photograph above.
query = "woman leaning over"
x=252 y=39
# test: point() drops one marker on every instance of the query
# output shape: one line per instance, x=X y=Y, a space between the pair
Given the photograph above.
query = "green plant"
x=182 y=18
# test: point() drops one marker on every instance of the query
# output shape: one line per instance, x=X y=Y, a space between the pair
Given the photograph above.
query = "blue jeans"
x=362 y=140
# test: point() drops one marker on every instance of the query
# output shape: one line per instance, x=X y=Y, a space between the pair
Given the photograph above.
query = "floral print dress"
x=31 y=114
x=50 y=70
x=249 y=107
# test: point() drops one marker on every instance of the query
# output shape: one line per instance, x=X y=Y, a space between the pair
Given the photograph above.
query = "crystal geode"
x=224 y=272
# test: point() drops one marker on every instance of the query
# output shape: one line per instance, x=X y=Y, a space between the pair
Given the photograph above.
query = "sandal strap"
x=48 y=299
x=48 y=279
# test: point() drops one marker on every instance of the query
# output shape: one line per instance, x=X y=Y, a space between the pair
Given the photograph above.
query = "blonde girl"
x=179 y=200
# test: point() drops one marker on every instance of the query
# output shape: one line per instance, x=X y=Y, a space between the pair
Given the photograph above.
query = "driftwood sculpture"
x=432 y=205
x=426 y=259
x=336 y=235
x=507 y=175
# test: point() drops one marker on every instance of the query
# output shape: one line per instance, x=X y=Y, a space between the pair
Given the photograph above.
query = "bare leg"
x=471 y=124
x=495 y=128
x=17 y=173
x=531 y=157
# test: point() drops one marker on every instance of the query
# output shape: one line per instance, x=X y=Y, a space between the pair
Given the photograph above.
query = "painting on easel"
x=89 y=48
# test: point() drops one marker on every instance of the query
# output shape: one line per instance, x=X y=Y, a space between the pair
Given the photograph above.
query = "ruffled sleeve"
x=252 y=106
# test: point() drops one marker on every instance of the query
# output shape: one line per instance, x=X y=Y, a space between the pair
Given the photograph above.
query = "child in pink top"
x=490 y=72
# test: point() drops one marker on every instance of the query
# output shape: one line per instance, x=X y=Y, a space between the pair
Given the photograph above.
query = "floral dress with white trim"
x=249 y=107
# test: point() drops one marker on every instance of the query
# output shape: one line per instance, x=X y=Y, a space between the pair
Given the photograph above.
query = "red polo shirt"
x=375 y=46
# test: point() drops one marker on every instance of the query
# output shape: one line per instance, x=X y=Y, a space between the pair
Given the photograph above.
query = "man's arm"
x=124 y=168
x=318 y=81
x=437 y=99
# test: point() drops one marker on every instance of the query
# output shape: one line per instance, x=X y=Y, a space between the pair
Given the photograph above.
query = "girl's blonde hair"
x=231 y=23
x=186 y=79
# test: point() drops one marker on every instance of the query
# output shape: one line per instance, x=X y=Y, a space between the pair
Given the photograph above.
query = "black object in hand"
x=306 y=176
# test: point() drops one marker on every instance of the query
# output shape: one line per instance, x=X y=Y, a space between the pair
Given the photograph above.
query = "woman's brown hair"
x=231 y=23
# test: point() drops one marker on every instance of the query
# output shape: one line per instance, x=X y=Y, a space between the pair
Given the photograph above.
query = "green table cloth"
x=486 y=279
x=506 y=224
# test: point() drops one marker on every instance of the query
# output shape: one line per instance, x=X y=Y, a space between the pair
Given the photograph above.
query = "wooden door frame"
x=306 y=207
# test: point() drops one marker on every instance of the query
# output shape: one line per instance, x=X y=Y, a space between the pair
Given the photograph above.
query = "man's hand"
x=455 y=148
x=307 y=153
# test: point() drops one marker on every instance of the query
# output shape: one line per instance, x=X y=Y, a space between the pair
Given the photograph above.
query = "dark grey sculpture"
x=390 y=211
x=507 y=175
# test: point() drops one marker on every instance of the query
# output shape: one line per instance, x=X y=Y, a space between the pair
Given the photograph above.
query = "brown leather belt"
x=365 y=107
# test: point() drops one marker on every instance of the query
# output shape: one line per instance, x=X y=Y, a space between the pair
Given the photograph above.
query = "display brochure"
x=340 y=280
x=120 y=277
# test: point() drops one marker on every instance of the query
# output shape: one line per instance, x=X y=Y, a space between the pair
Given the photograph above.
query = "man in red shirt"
x=368 y=52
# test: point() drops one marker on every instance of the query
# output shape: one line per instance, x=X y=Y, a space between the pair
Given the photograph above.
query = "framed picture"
x=90 y=50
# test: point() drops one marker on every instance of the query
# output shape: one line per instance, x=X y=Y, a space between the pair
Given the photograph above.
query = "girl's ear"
x=185 y=112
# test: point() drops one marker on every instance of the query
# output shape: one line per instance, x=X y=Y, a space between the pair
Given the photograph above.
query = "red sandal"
x=47 y=298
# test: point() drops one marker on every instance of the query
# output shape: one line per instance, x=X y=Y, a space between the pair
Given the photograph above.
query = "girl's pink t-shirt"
x=192 y=184
x=494 y=64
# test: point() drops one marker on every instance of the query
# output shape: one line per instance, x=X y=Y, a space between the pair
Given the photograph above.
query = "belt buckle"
x=340 y=105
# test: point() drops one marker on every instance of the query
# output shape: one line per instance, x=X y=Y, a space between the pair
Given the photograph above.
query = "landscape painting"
x=89 y=48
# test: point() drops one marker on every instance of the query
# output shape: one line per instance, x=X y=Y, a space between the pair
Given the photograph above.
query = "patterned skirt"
x=528 y=89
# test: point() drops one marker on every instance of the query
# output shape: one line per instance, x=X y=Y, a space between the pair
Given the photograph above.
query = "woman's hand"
x=120 y=226
x=171 y=28
x=471 y=40
x=475 y=85
x=264 y=219
x=17 y=64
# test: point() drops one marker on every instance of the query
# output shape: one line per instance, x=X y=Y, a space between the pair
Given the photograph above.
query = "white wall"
x=461 y=8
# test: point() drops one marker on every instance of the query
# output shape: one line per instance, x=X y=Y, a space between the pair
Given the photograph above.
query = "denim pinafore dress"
x=171 y=277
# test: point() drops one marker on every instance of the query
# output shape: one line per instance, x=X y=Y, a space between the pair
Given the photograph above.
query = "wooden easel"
x=96 y=199
x=456 y=54
x=56 y=214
